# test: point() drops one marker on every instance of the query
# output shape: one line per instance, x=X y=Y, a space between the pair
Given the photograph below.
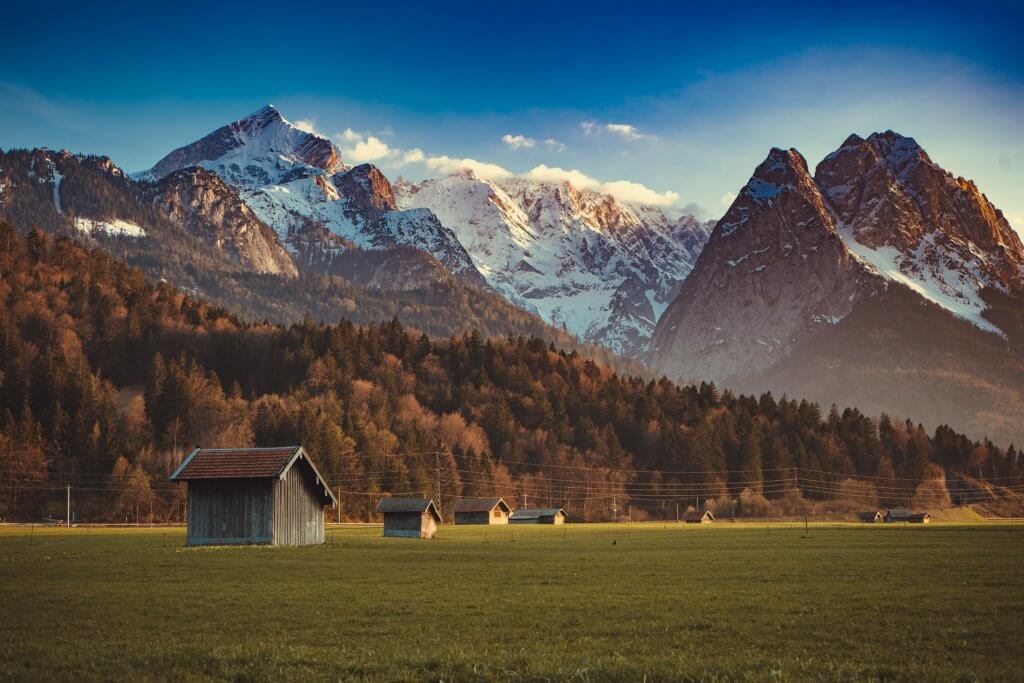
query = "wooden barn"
x=875 y=517
x=272 y=496
x=481 y=511
x=898 y=515
x=698 y=517
x=538 y=516
x=920 y=518
x=409 y=517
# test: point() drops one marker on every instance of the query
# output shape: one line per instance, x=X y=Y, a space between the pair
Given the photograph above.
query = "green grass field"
x=594 y=602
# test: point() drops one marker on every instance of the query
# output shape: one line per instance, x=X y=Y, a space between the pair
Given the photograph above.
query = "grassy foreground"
x=594 y=602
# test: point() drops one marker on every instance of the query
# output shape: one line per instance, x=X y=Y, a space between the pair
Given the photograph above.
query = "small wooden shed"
x=409 y=517
x=698 y=517
x=538 y=516
x=898 y=515
x=272 y=496
x=875 y=517
x=920 y=518
x=481 y=511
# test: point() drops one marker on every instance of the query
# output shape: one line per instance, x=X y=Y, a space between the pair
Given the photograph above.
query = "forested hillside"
x=57 y=191
x=106 y=381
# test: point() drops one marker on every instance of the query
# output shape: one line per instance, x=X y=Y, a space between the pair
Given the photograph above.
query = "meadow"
x=587 y=602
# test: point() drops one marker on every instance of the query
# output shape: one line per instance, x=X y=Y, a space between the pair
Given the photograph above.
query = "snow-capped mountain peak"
x=913 y=222
x=254 y=151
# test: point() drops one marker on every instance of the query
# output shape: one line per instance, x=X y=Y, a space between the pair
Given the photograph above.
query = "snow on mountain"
x=579 y=258
x=774 y=270
x=252 y=152
x=114 y=227
x=296 y=183
x=202 y=203
x=914 y=223
x=794 y=253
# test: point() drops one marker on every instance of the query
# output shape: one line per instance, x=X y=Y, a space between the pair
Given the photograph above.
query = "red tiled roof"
x=479 y=505
x=235 y=463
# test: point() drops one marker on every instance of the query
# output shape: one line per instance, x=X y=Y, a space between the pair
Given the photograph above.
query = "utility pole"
x=339 y=505
x=68 y=520
x=677 y=513
x=437 y=466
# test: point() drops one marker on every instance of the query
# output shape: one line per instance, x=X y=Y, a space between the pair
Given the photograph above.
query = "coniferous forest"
x=107 y=381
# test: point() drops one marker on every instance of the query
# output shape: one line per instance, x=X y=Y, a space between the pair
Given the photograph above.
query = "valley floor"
x=591 y=602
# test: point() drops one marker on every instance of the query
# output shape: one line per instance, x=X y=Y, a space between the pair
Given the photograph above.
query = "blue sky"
x=677 y=101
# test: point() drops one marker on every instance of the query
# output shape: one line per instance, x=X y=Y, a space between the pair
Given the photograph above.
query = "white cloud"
x=369 y=148
x=350 y=135
x=481 y=169
x=623 y=190
x=518 y=141
x=628 y=191
x=413 y=156
x=308 y=126
x=549 y=174
x=554 y=144
x=728 y=198
x=624 y=130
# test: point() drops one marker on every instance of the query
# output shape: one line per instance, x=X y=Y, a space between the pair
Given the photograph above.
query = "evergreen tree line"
x=107 y=381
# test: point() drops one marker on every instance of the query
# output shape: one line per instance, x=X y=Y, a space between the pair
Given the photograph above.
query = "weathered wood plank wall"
x=229 y=511
x=298 y=510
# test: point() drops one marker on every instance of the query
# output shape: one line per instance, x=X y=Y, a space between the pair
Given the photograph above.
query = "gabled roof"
x=900 y=512
x=697 y=515
x=248 y=463
x=534 y=513
x=419 y=505
x=870 y=515
x=480 y=505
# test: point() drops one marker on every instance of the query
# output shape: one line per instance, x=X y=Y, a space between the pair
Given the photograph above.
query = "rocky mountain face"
x=915 y=223
x=252 y=152
x=211 y=210
x=296 y=183
x=774 y=270
x=581 y=260
x=602 y=269
x=808 y=285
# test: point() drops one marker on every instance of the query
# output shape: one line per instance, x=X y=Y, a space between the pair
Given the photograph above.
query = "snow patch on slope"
x=954 y=285
x=115 y=227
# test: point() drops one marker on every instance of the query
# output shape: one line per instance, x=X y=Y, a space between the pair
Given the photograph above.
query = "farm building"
x=409 y=517
x=538 y=516
x=920 y=518
x=481 y=511
x=698 y=517
x=270 y=496
x=875 y=517
x=898 y=515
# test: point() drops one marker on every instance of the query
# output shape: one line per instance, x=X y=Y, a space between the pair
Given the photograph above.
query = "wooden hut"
x=272 y=496
x=698 y=517
x=920 y=518
x=538 y=516
x=481 y=511
x=875 y=517
x=409 y=517
x=898 y=515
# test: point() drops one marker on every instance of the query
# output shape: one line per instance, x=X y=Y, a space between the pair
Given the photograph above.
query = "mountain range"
x=880 y=280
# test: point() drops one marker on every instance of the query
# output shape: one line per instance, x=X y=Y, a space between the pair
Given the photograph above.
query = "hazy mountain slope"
x=810 y=285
